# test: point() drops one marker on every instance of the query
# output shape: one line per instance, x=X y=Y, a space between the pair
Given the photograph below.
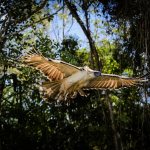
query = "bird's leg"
x=74 y=94
x=82 y=93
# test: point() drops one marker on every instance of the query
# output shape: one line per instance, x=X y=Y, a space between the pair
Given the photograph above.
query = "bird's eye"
x=82 y=69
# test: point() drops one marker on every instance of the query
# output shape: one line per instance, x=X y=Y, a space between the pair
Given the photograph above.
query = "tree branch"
x=44 y=18
x=33 y=12
x=7 y=22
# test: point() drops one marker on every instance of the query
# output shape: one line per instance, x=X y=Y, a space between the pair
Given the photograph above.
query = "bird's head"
x=93 y=72
x=86 y=68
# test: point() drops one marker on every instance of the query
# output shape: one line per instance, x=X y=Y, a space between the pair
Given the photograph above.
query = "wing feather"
x=108 y=81
x=104 y=84
x=113 y=84
x=52 y=69
x=58 y=75
x=53 y=74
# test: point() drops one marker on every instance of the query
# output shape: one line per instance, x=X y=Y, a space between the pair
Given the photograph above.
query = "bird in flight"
x=66 y=81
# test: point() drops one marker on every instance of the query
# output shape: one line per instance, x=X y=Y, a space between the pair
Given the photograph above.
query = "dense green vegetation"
x=105 y=120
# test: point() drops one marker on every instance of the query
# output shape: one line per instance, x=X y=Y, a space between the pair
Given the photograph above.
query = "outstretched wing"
x=107 y=81
x=53 y=69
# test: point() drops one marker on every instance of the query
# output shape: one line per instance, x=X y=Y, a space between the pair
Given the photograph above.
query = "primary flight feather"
x=66 y=80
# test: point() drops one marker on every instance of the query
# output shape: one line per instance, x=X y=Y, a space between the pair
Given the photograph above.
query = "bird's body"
x=66 y=80
x=70 y=86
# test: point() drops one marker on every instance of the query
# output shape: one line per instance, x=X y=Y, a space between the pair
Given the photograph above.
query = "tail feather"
x=57 y=91
x=51 y=89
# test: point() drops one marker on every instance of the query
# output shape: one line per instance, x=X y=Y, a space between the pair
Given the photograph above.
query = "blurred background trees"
x=112 y=36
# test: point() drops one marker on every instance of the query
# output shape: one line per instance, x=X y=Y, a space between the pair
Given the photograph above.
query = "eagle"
x=66 y=80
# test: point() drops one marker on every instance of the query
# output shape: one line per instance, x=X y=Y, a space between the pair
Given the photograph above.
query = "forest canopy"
x=108 y=35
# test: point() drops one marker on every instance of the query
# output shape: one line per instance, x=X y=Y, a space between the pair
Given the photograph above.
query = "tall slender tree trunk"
x=116 y=135
x=95 y=60
x=2 y=80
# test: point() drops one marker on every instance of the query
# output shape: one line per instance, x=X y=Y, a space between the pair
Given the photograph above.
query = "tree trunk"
x=96 y=63
x=116 y=135
x=1 y=95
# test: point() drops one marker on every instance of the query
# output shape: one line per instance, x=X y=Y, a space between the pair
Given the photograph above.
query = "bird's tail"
x=51 y=89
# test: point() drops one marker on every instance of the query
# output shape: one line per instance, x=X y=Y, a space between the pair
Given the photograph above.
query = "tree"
x=27 y=121
x=16 y=16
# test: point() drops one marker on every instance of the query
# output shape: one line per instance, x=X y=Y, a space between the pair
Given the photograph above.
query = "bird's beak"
x=97 y=73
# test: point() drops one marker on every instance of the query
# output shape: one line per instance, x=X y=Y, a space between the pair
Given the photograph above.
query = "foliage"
x=133 y=17
x=70 y=52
